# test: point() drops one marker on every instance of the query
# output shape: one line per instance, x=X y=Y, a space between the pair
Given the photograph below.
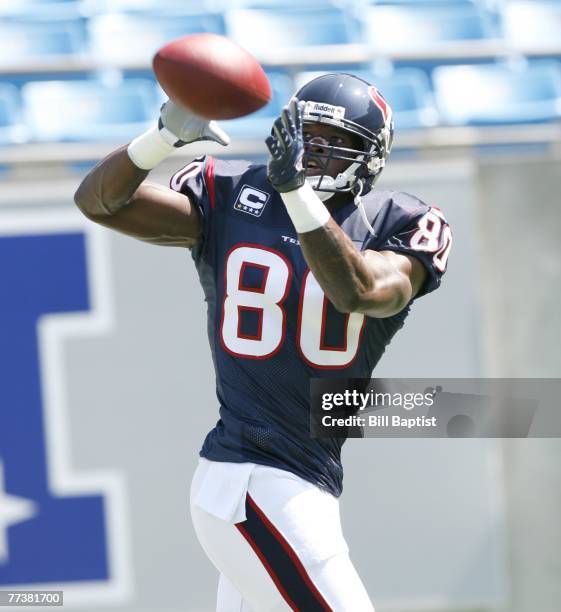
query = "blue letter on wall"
x=43 y=538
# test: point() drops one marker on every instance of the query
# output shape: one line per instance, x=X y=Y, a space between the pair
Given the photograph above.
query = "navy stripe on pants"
x=280 y=561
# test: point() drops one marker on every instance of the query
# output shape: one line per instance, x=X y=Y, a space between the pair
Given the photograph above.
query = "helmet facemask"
x=365 y=164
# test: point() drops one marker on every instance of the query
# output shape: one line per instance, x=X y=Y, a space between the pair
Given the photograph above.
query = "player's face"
x=318 y=138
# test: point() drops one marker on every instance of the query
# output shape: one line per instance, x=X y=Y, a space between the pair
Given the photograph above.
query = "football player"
x=307 y=272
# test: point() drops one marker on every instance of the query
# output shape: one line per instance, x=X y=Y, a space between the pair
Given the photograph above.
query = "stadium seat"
x=277 y=4
x=258 y=125
x=25 y=40
x=12 y=130
x=533 y=24
x=426 y=2
x=409 y=93
x=45 y=8
x=134 y=37
x=416 y=27
x=407 y=90
x=98 y=7
x=499 y=94
x=263 y=30
x=88 y=110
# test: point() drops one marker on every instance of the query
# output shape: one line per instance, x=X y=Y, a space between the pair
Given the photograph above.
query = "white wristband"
x=305 y=209
x=149 y=149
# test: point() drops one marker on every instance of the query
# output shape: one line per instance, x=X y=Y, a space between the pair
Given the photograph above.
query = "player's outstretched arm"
x=378 y=284
x=115 y=193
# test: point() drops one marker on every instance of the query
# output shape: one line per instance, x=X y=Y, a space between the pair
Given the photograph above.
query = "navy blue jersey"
x=270 y=326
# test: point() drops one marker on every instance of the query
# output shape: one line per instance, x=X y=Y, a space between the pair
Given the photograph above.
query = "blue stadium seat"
x=41 y=8
x=277 y=4
x=25 y=40
x=136 y=36
x=12 y=130
x=88 y=110
x=425 y=2
x=499 y=94
x=407 y=90
x=415 y=27
x=98 y=7
x=258 y=125
x=263 y=30
x=533 y=24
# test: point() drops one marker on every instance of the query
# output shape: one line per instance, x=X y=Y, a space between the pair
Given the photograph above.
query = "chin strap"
x=359 y=204
x=325 y=195
x=326 y=181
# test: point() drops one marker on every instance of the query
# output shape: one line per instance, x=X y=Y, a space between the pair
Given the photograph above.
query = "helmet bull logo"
x=380 y=103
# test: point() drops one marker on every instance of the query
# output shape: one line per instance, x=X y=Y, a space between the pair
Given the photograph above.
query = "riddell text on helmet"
x=337 y=112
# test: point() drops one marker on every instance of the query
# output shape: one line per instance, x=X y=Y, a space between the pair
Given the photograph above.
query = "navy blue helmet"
x=354 y=106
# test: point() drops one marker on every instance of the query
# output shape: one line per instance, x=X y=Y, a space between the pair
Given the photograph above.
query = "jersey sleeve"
x=196 y=181
x=422 y=231
x=210 y=183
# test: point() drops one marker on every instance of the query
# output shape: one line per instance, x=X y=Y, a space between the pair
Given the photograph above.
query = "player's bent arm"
x=377 y=284
x=115 y=194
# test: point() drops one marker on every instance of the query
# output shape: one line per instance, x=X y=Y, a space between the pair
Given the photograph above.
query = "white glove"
x=187 y=127
x=176 y=128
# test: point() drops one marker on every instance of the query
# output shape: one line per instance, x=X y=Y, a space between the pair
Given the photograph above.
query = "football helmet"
x=354 y=106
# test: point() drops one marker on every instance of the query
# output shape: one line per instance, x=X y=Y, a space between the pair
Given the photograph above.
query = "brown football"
x=212 y=76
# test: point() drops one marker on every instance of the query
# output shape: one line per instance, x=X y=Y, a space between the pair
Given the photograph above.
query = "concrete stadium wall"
x=519 y=216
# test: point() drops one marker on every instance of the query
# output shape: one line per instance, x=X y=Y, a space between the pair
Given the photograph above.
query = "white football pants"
x=276 y=540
